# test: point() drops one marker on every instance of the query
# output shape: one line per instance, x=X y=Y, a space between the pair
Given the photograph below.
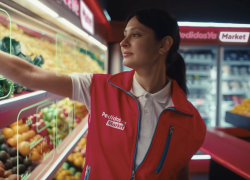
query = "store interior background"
x=218 y=73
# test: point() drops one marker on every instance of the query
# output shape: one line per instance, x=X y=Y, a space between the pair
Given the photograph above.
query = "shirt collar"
x=137 y=89
x=161 y=96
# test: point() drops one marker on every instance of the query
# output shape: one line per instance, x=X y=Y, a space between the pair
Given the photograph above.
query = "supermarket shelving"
x=198 y=73
x=47 y=168
x=239 y=92
x=197 y=86
x=236 y=77
x=239 y=63
x=199 y=61
x=238 y=120
x=26 y=102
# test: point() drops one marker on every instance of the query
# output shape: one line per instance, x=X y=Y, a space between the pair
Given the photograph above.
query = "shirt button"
x=147 y=95
x=146 y=111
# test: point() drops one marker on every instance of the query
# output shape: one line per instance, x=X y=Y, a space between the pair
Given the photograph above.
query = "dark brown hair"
x=165 y=24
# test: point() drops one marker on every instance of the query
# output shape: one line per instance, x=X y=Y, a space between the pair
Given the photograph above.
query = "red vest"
x=113 y=133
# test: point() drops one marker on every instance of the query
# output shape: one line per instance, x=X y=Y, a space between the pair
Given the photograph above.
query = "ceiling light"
x=82 y=33
x=204 y=24
x=73 y=27
x=44 y=8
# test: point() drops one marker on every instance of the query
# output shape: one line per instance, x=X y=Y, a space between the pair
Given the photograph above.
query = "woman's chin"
x=127 y=64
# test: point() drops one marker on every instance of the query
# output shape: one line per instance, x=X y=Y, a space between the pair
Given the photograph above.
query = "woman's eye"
x=135 y=35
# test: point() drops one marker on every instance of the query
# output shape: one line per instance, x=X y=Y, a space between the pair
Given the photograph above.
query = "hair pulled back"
x=165 y=24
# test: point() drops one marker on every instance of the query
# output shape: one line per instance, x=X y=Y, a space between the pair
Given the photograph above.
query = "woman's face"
x=139 y=46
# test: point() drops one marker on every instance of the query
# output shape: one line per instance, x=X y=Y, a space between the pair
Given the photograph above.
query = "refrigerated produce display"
x=235 y=79
x=201 y=80
x=72 y=168
x=40 y=130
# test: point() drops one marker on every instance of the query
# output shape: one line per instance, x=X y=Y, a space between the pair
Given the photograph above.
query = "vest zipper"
x=133 y=175
x=87 y=173
x=163 y=157
x=138 y=129
x=138 y=133
x=173 y=109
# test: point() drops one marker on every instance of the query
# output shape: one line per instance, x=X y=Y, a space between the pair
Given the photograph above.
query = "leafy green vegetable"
x=15 y=47
x=6 y=87
x=1 y=91
x=38 y=61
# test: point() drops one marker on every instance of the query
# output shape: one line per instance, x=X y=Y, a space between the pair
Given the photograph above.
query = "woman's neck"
x=153 y=78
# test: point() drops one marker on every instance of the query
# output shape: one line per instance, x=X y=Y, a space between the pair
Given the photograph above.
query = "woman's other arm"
x=31 y=76
x=184 y=173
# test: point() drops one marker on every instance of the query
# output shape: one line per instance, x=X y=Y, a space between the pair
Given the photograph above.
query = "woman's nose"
x=124 y=43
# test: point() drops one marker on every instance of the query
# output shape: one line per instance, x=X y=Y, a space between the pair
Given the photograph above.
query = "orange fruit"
x=20 y=122
x=37 y=137
x=38 y=148
x=71 y=158
x=8 y=133
x=15 y=128
x=26 y=136
x=24 y=148
x=31 y=133
x=20 y=138
x=25 y=128
x=12 y=142
x=78 y=161
x=44 y=145
x=34 y=156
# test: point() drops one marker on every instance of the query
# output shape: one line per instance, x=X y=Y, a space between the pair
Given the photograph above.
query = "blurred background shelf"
x=199 y=61
x=239 y=63
x=238 y=120
x=198 y=73
x=239 y=92
x=236 y=77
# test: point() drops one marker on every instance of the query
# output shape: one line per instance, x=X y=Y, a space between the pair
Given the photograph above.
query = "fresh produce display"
x=68 y=106
x=50 y=125
x=72 y=168
x=77 y=158
x=67 y=173
x=68 y=62
x=33 y=137
x=29 y=141
x=242 y=109
x=11 y=161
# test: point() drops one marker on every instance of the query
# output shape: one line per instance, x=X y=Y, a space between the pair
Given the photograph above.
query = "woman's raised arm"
x=31 y=76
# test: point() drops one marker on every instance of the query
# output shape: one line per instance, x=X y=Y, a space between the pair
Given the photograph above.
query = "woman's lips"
x=126 y=54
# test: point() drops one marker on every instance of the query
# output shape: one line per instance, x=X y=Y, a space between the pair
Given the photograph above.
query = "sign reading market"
x=214 y=36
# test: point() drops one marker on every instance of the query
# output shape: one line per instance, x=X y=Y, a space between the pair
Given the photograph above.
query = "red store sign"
x=74 y=5
x=81 y=9
x=214 y=35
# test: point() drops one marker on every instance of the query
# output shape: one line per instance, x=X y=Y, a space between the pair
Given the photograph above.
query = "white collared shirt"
x=151 y=105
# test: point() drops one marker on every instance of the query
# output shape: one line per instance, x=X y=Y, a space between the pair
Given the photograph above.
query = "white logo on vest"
x=114 y=121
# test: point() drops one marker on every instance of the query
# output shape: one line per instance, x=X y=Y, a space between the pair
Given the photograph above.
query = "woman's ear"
x=167 y=42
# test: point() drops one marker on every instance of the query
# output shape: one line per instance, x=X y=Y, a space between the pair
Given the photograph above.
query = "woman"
x=141 y=125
